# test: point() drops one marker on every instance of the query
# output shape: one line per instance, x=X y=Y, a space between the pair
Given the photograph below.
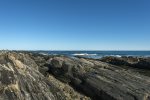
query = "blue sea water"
x=98 y=54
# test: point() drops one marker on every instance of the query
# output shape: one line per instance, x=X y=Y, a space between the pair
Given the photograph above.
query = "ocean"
x=97 y=54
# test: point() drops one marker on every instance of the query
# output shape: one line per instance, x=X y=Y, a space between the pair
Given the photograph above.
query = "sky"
x=75 y=24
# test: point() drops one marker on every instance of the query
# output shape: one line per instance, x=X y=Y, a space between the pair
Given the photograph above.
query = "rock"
x=143 y=63
x=135 y=62
x=102 y=81
x=69 y=92
x=31 y=76
x=115 y=60
x=20 y=79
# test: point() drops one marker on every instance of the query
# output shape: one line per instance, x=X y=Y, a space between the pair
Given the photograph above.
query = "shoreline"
x=63 y=77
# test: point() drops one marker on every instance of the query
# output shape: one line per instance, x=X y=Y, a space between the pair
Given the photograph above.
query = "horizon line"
x=63 y=50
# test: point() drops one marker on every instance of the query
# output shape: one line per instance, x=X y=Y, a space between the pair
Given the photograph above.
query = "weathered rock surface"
x=20 y=79
x=136 y=62
x=30 y=76
x=100 y=80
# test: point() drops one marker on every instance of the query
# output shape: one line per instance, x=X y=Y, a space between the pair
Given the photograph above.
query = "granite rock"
x=100 y=80
x=20 y=79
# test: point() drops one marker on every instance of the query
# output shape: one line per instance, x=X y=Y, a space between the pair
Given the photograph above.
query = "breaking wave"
x=84 y=54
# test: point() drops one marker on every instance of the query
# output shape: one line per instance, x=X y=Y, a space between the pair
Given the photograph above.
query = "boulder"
x=102 y=81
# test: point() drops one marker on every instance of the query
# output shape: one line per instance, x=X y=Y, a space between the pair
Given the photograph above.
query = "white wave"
x=116 y=56
x=43 y=53
x=84 y=54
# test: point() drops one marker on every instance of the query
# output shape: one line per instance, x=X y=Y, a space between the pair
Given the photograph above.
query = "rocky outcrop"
x=100 y=80
x=20 y=79
x=31 y=76
x=135 y=62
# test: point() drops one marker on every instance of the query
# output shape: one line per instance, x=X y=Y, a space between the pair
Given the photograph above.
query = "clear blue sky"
x=75 y=24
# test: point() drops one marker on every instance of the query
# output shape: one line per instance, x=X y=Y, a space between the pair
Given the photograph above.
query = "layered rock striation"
x=31 y=76
x=20 y=79
x=100 y=80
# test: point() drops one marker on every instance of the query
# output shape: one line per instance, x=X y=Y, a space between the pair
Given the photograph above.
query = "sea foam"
x=84 y=54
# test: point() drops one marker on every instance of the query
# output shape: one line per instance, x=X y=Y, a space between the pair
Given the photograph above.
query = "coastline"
x=73 y=78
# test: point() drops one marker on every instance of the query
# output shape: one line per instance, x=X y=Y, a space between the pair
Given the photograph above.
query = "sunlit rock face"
x=100 y=80
x=31 y=76
x=20 y=79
